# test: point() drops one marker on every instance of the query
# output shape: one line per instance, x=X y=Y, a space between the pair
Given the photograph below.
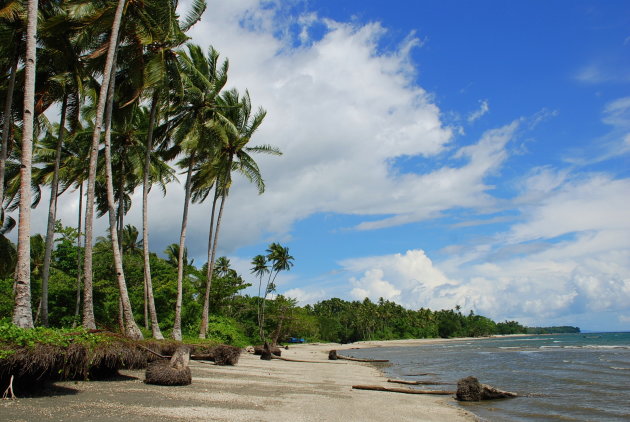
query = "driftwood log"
x=402 y=390
x=470 y=389
x=303 y=361
x=332 y=355
x=420 y=382
x=174 y=372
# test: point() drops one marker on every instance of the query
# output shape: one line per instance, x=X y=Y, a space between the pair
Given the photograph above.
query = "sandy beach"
x=253 y=390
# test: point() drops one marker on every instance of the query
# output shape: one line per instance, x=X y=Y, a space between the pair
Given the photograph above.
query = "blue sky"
x=436 y=153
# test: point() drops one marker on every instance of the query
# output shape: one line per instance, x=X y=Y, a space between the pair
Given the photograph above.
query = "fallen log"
x=332 y=355
x=470 y=389
x=420 y=382
x=402 y=390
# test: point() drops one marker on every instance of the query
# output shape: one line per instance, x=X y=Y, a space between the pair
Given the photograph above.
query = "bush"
x=227 y=331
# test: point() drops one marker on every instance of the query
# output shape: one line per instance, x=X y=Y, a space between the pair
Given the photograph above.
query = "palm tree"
x=259 y=268
x=281 y=260
x=88 y=306
x=12 y=16
x=22 y=314
x=203 y=80
x=130 y=326
x=233 y=129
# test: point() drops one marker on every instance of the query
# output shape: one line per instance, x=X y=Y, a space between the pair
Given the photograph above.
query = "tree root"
x=8 y=393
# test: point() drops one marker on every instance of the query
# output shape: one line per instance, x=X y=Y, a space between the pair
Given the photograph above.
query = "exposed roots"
x=161 y=373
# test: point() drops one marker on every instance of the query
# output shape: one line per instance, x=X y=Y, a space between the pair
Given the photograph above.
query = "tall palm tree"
x=233 y=129
x=281 y=260
x=88 y=306
x=12 y=25
x=156 y=31
x=259 y=268
x=22 y=314
x=130 y=327
x=203 y=79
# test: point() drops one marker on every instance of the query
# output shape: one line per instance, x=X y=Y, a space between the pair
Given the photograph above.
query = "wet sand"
x=253 y=390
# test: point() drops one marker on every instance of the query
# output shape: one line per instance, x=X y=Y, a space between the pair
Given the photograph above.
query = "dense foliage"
x=553 y=330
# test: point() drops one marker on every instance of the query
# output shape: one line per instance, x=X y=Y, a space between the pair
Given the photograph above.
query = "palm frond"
x=194 y=15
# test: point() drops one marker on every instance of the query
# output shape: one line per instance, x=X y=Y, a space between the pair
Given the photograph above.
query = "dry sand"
x=253 y=390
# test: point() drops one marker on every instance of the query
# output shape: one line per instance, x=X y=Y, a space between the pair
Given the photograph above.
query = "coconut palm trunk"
x=155 y=328
x=130 y=327
x=52 y=213
x=6 y=126
x=22 y=313
x=77 y=306
x=88 y=305
x=212 y=249
x=177 y=324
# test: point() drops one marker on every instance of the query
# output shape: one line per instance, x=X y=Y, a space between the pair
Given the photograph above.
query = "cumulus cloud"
x=566 y=259
x=306 y=296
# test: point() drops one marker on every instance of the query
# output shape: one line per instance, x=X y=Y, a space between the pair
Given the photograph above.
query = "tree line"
x=236 y=318
x=137 y=103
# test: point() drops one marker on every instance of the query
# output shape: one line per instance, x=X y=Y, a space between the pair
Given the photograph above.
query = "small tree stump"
x=332 y=355
x=470 y=389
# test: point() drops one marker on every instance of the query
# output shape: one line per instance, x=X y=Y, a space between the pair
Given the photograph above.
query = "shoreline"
x=253 y=390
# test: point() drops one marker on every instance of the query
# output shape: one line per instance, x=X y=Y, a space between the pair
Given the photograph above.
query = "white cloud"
x=617 y=113
x=484 y=108
x=304 y=297
x=566 y=259
x=594 y=202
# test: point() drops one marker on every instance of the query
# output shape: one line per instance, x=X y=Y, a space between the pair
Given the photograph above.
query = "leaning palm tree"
x=233 y=129
x=22 y=313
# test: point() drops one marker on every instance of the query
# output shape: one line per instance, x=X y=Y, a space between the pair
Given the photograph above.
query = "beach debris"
x=174 y=372
x=430 y=382
x=260 y=351
x=332 y=355
x=220 y=355
x=402 y=390
x=470 y=389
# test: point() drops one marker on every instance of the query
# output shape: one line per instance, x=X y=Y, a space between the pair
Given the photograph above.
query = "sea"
x=559 y=377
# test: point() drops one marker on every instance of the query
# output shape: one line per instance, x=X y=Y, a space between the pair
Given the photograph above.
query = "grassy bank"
x=37 y=356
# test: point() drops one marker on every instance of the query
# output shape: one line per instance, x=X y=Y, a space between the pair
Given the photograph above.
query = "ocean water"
x=560 y=377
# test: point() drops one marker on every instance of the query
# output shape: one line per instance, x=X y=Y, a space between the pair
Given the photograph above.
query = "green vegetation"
x=564 y=329
x=235 y=318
